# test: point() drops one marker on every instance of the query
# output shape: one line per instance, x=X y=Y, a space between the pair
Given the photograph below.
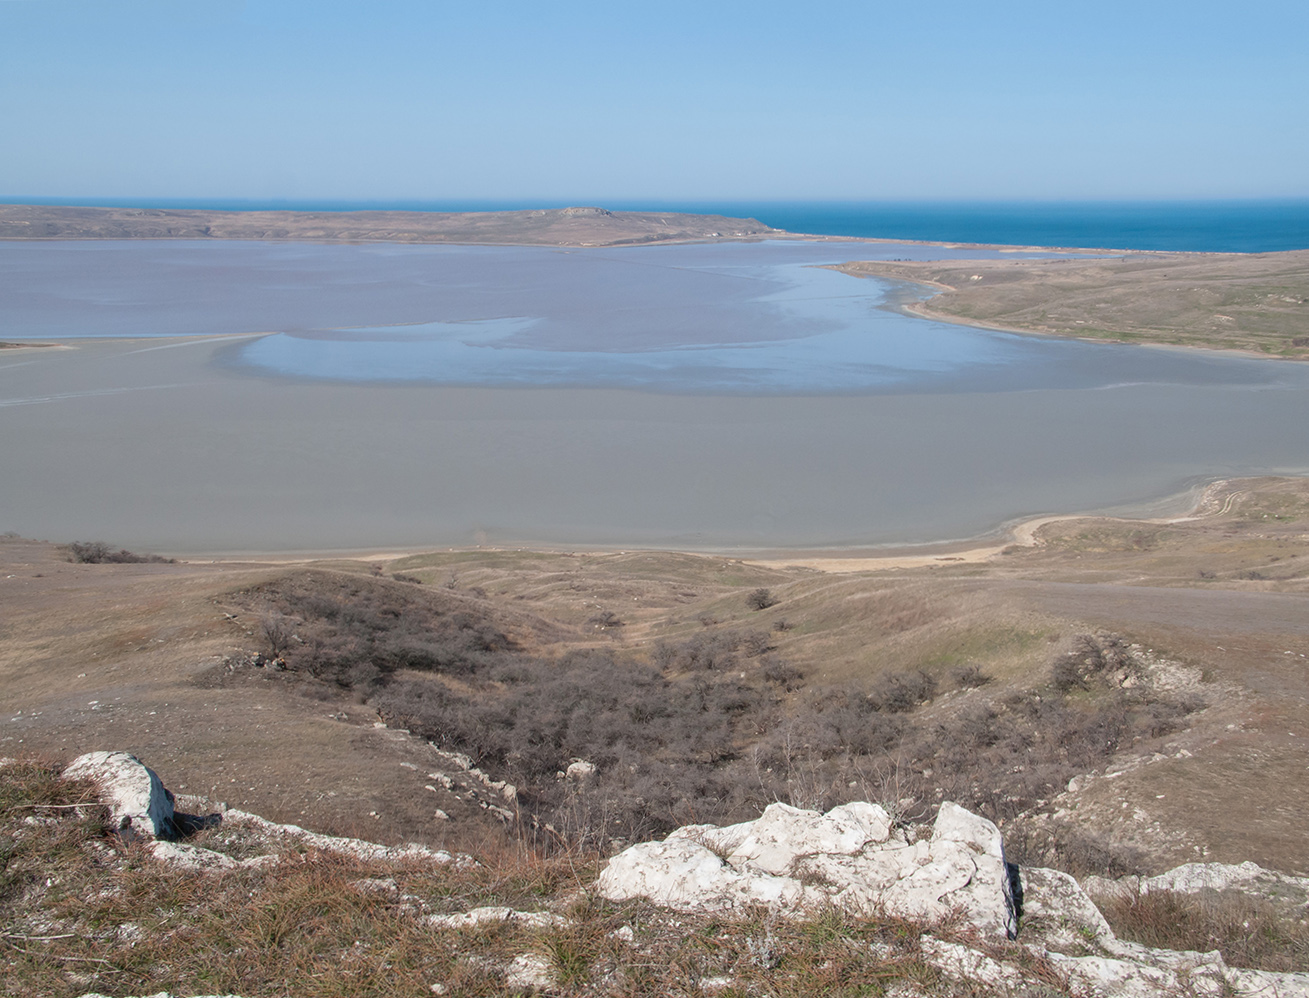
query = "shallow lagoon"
x=727 y=395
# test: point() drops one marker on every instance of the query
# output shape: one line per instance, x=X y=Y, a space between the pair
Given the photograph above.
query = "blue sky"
x=393 y=99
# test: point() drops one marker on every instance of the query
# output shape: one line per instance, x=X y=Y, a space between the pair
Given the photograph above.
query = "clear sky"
x=428 y=99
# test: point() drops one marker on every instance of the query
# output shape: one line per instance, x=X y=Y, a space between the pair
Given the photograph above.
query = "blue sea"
x=1228 y=226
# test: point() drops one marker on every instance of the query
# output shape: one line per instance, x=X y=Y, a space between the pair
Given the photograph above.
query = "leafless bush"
x=760 y=599
x=903 y=691
x=100 y=553
x=1090 y=659
x=970 y=676
x=781 y=673
x=278 y=631
x=1077 y=852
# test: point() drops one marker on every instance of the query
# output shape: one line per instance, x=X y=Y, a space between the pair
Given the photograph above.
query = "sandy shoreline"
x=972 y=551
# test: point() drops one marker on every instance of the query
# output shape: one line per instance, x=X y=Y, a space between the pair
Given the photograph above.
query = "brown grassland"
x=550 y=227
x=702 y=687
x=1255 y=302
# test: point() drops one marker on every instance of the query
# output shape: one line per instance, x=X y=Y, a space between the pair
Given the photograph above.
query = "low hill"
x=583 y=226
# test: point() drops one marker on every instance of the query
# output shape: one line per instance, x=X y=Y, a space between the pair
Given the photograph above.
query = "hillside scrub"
x=714 y=727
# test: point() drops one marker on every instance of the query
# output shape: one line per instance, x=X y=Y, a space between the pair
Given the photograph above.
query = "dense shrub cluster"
x=354 y=632
x=100 y=553
x=712 y=651
x=711 y=728
x=666 y=752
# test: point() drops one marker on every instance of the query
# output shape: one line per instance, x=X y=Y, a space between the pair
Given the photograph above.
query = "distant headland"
x=581 y=226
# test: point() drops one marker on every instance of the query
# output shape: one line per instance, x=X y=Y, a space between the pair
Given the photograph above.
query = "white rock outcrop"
x=137 y=799
x=850 y=857
x=498 y=915
x=276 y=833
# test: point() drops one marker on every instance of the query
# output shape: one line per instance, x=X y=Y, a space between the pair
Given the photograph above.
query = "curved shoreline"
x=981 y=549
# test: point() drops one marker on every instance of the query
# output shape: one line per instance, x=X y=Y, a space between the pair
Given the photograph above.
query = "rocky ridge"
x=988 y=922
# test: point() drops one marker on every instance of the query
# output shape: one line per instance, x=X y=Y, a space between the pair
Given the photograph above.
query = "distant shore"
x=1255 y=304
x=580 y=226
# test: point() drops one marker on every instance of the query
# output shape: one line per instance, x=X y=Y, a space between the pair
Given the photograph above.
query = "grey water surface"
x=233 y=396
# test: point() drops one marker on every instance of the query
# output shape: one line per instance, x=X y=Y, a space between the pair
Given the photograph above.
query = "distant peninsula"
x=1253 y=302
x=582 y=226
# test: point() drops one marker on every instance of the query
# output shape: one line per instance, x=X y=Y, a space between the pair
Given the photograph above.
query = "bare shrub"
x=1090 y=659
x=345 y=623
x=903 y=691
x=760 y=599
x=1072 y=850
x=970 y=676
x=100 y=553
x=781 y=673
x=278 y=631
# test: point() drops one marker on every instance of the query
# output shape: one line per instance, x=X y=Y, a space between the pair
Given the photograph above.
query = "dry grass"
x=1249 y=931
x=1228 y=301
x=85 y=912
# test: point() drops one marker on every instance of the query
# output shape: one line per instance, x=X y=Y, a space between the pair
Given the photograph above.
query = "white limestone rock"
x=139 y=802
x=1266 y=984
x=1249 y=878
x=960 y=962
x=579 y=771
x=189 y=857
x=273 y=831
x=684 y=874
x=1058 y=912
x=529 y=971
x=497 y=914
x=850 y=857
x=1106 y=977
x=783 y=834
x=721 y=840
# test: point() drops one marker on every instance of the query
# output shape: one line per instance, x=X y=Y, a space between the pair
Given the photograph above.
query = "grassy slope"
x=97 y=656
x=1257 y=302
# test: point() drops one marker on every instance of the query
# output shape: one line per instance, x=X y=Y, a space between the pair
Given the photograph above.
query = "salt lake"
x=233 y=396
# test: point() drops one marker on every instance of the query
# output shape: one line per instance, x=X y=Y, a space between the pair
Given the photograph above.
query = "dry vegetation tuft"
x=85 y=912
x=1248 y=931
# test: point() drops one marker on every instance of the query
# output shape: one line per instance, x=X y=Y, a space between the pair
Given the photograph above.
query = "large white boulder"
x=850 y=857
x=784 y=834
x=681 y=873
x=138 y=800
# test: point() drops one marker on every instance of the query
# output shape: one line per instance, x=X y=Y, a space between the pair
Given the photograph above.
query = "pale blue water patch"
x=754 y=329
x=733 y=318
x=719 y=319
